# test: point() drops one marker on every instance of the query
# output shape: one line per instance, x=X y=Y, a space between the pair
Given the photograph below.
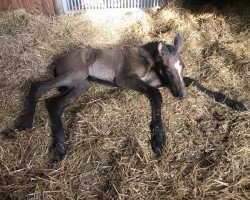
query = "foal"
x=142 y=69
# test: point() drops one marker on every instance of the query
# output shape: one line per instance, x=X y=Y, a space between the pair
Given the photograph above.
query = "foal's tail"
x=219 y=97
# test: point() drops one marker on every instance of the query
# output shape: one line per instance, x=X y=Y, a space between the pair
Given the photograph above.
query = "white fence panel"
x=71 y=6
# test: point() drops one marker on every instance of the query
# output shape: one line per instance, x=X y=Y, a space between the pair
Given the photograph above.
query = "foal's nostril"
x=180 y=96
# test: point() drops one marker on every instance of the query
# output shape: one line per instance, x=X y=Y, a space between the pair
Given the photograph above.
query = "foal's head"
x=172 y=66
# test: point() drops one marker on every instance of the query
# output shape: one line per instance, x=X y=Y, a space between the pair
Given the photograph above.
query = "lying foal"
x=142 y=69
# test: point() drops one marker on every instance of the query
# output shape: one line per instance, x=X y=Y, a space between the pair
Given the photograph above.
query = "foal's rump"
x=74 y=61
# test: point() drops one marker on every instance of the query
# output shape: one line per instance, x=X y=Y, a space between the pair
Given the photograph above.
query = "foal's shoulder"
x=137 y=51
x=139 y=55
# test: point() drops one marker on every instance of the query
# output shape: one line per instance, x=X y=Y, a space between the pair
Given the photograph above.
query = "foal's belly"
x=107 y=65
x=102 y=71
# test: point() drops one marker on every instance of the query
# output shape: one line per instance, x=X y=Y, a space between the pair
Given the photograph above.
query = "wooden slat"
x=18 y=4
x=37 y=5
x=4 y=5
x=48 y=6
x=27 y=4
x=15 y=4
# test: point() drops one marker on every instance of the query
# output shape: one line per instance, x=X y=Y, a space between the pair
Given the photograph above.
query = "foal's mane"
x=152 y=48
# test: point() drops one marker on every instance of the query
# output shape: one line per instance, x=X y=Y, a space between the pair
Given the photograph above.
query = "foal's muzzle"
x=179 y=94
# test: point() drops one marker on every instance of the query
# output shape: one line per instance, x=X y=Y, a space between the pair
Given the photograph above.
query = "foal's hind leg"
x=36 y=91
x=55 y=107
x=133 y=82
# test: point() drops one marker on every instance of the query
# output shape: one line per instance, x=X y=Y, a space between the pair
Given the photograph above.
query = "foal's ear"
x=163 y=49
x=177 y=42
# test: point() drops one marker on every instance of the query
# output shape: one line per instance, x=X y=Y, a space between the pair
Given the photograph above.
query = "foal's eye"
x=168 y=72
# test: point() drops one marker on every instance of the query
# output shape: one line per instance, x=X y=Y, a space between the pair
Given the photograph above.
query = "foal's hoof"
x=58 y=153
x=158 y=144
x=158 y=139
x=236 y=105
x=23 y=126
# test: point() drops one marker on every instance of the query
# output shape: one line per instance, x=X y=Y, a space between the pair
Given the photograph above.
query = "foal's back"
x=105 y=64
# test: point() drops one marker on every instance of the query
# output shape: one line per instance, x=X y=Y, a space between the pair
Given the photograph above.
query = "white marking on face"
x=178 y=67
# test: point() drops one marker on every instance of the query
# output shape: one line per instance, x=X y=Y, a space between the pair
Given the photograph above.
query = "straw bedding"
x=109 y=154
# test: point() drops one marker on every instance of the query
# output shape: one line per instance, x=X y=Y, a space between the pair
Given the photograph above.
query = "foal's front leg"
x=219 y=97
x=158 y=138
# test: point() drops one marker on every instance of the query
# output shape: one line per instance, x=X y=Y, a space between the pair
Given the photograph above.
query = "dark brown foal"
x=142 y=69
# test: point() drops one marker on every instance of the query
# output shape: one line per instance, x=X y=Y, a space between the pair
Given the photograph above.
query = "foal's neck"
x=151 y=48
